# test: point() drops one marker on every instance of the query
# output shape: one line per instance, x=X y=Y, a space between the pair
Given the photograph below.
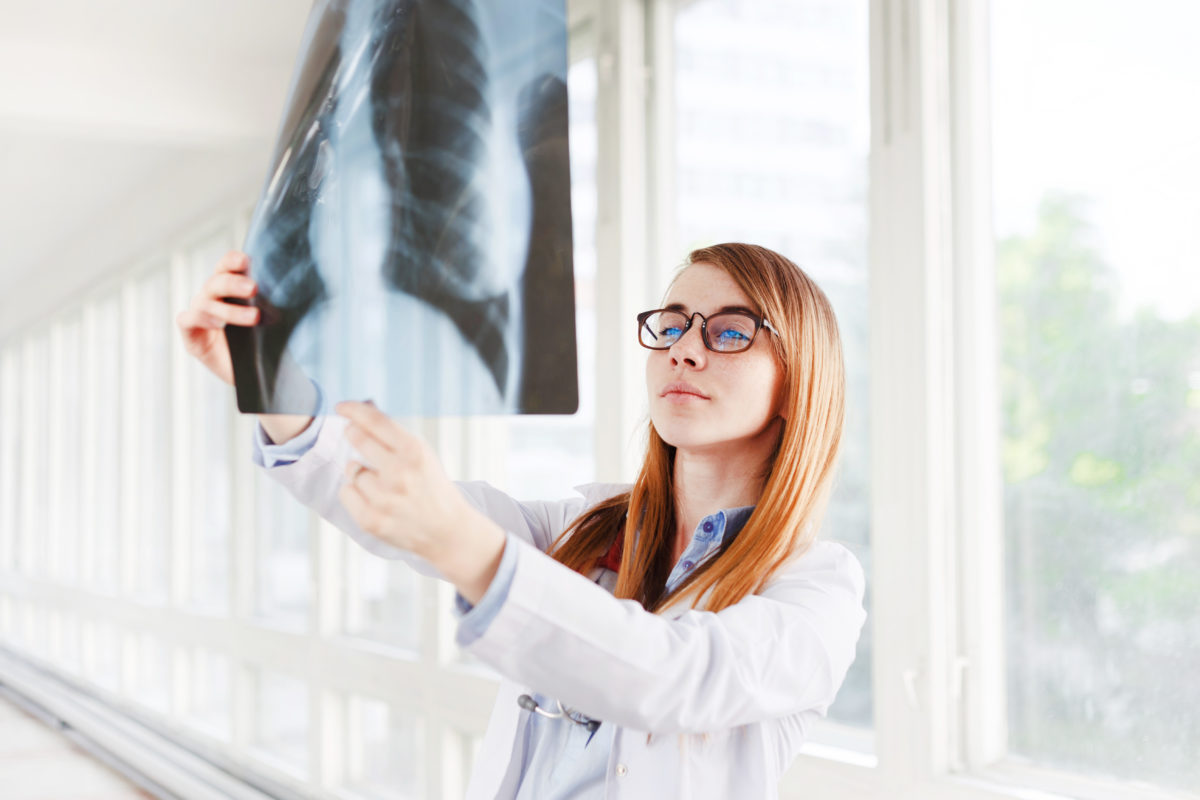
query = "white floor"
x=39 y=763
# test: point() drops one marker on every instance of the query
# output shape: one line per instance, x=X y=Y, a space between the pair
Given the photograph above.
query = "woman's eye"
x=670 y=332
x=731 y=335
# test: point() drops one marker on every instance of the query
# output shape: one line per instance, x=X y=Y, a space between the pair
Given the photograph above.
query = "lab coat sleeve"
x=776 y=653
x=473 y=620
x=316 y=475
x=267 y=453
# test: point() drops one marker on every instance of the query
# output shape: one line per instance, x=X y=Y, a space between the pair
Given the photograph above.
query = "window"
x=1097 y=193
x=771 y=141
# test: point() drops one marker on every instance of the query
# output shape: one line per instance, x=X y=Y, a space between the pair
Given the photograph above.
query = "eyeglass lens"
x=726 y=332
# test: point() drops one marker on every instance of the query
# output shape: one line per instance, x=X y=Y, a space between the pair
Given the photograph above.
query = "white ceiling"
x=123 y=123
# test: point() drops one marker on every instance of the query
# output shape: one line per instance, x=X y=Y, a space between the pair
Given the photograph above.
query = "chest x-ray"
x=412 y=243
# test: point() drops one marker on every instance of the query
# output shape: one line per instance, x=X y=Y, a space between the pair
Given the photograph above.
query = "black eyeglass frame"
x=759 y=324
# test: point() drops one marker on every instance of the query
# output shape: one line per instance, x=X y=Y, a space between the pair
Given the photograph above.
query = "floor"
x=39 y=763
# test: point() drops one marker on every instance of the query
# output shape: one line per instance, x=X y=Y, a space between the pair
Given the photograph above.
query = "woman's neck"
x=709 y=480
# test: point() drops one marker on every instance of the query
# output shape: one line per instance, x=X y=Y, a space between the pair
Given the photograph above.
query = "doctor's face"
x=711 y=402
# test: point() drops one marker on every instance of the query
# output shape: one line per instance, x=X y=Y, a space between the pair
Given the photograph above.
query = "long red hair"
x=798 y=475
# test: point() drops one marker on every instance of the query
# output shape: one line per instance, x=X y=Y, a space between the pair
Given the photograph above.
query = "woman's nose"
x=690 y=349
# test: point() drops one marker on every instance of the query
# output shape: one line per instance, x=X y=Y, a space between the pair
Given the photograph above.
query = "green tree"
x=1101 y=458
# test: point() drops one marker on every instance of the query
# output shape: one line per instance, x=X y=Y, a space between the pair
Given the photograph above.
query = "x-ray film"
x=412 y=243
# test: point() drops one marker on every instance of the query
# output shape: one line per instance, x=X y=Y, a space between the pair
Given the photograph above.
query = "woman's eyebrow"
x=683 y=308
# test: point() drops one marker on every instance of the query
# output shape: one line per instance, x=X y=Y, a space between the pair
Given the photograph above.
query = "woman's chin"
x=681 y=435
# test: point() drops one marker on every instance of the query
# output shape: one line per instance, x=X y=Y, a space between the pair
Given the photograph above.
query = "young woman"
x=671 y=639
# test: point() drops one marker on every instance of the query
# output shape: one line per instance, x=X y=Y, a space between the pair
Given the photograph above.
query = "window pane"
x=209 y=693
x=31 y=545
x=102 y=654
x=65 y=403
x=150 y=313
x=210 y=414
x=1097 y=194
x=772 y=135
x=10 y=453
x=383 y=600
x=69 y=657
x=151 y=673
x=100 y=448
x=384 y=752
x=281 y=721
x=282 y=530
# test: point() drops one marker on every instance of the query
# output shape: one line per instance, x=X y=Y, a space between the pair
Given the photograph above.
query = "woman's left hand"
x=402 y=496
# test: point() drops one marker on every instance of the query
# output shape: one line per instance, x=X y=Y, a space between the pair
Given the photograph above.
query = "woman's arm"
x=315 y=475
x=780 y=652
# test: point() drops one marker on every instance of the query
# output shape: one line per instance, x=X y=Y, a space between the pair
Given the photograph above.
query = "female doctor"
x=670 y=639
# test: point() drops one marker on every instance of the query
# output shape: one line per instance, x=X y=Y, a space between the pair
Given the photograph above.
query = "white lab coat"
x=752 y=677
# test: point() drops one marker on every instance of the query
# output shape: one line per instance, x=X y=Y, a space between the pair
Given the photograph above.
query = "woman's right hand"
x=202 y=324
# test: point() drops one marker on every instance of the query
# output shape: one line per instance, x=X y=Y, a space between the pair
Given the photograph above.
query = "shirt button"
x=688 y=565
x=708 y=527
x=622 y=770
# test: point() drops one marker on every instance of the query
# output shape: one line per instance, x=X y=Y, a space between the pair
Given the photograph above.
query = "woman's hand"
x=402 y=496
x=202 y=324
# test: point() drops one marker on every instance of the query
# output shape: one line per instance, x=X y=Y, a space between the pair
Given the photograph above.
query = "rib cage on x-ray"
x=420 y=71
x=432 y=117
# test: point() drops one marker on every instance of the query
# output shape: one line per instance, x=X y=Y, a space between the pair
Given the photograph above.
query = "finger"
x=373 y=451
x=374 y=423
x=230 y=284
x=233 y=261
x=192 y=318
x=228 y=312
x=370 y=484
x=360 y=510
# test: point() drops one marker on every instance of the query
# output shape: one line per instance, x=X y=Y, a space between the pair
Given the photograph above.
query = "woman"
x=682 y=633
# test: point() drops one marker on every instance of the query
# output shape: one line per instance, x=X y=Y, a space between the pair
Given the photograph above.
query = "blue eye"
x=730 y=335
x=672 y=333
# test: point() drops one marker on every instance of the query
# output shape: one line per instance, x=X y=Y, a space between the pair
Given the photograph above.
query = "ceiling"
x=125 y=123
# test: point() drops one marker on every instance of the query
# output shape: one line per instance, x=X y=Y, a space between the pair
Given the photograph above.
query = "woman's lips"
x=682 y=392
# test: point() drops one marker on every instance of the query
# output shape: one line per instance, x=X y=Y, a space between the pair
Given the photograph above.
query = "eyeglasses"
x=723 y=332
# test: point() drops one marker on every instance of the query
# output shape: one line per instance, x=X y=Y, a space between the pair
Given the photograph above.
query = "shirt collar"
x=735 y=520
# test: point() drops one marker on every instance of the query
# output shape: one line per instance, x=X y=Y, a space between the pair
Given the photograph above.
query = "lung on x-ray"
x=412 y=242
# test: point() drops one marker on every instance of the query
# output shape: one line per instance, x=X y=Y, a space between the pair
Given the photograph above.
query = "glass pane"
x=31 y=544
x=209 y=693
x=65 y=404
x=772 y=132
x=38 y=639
x=547 y=455
x=383 y=600
x=103 y=654
x=1097 y=197
x=10 y=454
x=152 y=317
x=151 y=683
x=281 y=721
x=100 y=448
x=210 y=409
x=385 y=751
x=69 y=655
x=283 y=592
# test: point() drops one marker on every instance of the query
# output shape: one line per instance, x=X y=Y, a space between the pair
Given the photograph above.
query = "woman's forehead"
x=706 y=288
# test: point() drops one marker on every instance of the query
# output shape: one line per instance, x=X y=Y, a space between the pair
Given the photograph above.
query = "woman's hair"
x=799 y=473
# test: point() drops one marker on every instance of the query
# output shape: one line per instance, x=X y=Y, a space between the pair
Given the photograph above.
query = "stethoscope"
x=529 y=704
